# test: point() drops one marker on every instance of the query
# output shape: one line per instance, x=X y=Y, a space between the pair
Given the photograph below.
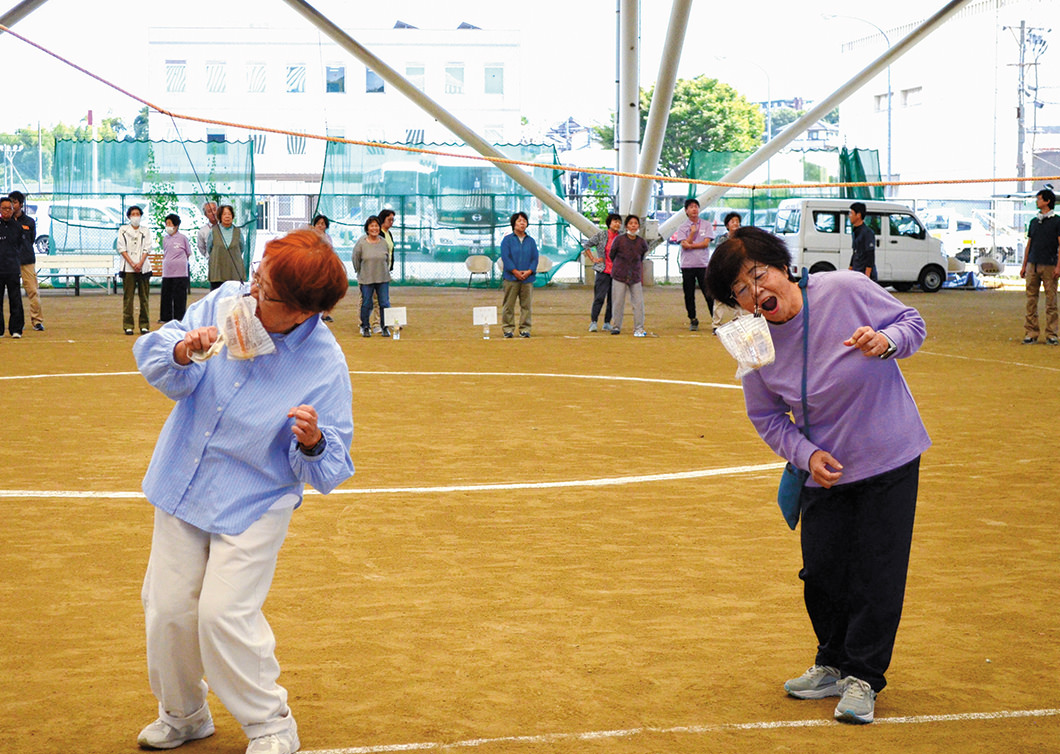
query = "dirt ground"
x=659 y=615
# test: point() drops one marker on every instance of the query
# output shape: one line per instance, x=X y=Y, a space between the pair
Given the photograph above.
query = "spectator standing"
x=373 y=275
x=863 y=241
x=386 y=220
x=1041 y=267
x=321 y=224
x=694 y=235
x=602 y=241
x=723 y=312
x=204 y=238
x=28 y=259
x=10 y=269
x=176 y=278
x=627 y=269
x=519 y=260
x=226 y=249
x=134 y=244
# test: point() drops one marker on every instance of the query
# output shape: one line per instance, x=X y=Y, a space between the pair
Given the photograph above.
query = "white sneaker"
x=639 y=334
x=592 y=327
x=818 y=682
x=162 y=735
x=275 y=743
x=858 y=703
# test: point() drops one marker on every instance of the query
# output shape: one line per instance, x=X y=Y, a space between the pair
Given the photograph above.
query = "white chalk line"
x=599 y=482
x=607 y=377
x=549 y=738
x=991 y=361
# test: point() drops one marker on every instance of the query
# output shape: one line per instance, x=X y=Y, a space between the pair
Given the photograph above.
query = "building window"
x=454 y=78
x=416 y=75
x=373 y=83
x=494 y=79
x=176 y=78
x=259 y=143
x=912 y=97
x=335 y=79
x=215 y=77
x=881 y=102
x=295 y=144
x=296 y=79
x=256 y=78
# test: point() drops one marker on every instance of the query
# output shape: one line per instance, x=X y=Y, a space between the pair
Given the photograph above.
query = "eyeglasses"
x=255 y=279
x=742 y=290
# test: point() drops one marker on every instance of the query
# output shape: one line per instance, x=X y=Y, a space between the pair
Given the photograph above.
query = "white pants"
x=618 y=304
x=202 y=598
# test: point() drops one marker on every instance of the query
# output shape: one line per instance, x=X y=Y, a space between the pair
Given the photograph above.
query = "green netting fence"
x=446 y=208
x=95 y=182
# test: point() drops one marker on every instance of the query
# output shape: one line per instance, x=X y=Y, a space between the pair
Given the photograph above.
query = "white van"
x=818 y=233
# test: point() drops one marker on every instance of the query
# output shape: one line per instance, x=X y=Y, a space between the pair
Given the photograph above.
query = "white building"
x=299 y=80
x=954 y=98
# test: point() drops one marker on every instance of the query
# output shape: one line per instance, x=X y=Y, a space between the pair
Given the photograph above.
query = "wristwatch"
x=891 y=348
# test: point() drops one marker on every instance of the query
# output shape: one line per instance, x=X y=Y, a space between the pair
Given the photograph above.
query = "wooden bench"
x=77 y=266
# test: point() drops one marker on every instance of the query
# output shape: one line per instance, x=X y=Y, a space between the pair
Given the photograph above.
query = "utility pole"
x=1021 y=129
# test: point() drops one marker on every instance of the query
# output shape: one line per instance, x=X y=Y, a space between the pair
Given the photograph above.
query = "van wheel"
x=902 y=287
x=931 y=278
x=821 y=267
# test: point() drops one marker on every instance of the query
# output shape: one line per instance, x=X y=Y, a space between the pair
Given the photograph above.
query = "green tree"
x=140 y=130
x=705 y=115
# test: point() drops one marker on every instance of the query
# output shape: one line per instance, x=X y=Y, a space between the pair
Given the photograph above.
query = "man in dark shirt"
x=10 y=268
x=1041 y=267
x=28 y=259
x=863 y=241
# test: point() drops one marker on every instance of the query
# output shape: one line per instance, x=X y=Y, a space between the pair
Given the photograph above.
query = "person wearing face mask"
x=176 y=251
x=134 y=244
x=858 y=432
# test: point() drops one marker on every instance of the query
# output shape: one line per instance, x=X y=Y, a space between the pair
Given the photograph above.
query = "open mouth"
x=769 y=305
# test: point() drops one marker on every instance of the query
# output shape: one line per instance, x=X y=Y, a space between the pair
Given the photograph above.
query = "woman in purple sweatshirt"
x=864 y=457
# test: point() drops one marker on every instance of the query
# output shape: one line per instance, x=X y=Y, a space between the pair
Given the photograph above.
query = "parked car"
x=817 y=232
x=82 y=226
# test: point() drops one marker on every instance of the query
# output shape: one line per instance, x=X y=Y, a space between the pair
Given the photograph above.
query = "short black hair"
x=1049 y=197
x=5 y=199
x=174 y=218
x=137 y=207
x=384 y=214
x=858 y=207
x=745 y=243
x=370 y=220
x=611 y=217
x=516 y=216
x=17 y=196
x=631 y=217
x=327 y=222
x=690 y=202
x=731 y=215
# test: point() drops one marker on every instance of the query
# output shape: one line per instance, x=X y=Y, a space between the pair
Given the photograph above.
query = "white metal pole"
x=545 y=194
x=745 y=168
x=628 y=115
x=662 y=98
x=20 y=11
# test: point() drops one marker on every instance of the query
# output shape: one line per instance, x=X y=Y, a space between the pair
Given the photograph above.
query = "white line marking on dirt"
x=605 y=482
x=991 y=361
x=549 y=738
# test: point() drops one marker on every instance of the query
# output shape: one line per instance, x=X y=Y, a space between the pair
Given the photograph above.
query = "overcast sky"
x=786 y=47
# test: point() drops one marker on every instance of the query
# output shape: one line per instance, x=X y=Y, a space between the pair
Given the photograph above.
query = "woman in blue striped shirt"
x=230 y=467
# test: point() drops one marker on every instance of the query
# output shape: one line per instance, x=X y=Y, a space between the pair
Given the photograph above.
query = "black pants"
x=690 y=278
x=601 y=291
x=174 y=298
x=13 y=285
x=855 y=552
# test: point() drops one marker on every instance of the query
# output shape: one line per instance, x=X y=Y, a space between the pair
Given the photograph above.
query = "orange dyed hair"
x=305 y=272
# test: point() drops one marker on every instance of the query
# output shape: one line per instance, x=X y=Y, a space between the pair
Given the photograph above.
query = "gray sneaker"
x=818 y=682
x=607 y=327
x=162 y=735
x=857 y=703
x=592 y=327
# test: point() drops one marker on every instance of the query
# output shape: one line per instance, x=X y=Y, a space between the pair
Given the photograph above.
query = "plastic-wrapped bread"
x=747 y=340
x=238 y=329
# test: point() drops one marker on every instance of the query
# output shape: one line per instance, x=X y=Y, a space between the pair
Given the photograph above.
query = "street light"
x=888 y=41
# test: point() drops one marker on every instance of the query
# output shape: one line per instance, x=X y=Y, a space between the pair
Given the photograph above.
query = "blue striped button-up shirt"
x=227 y=454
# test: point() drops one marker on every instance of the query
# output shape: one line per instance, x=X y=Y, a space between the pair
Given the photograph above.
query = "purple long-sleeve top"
x=860 y=408
x=176 y=251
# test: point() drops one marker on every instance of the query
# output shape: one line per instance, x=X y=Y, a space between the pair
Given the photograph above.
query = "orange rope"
x=507 y=161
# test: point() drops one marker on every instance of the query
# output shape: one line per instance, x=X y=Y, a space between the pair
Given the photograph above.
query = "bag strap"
x=803 y=282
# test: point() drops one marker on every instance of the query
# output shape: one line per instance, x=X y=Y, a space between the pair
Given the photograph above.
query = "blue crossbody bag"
x=789 y=494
